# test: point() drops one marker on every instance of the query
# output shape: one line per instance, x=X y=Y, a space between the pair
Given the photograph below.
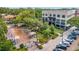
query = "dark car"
x=64 y=47
x=76 y=32
x=77 y=29
x=58 y=49
x=65 y=43
x=69 y=40
x=72 y=37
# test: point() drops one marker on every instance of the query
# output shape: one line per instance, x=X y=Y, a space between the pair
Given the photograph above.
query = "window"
x=50 y=14
x=50 y=19
x=57 y=21
x=54 y=15
x=63 y=16
x=54 y=19
x=62 y=22
x=58 y=15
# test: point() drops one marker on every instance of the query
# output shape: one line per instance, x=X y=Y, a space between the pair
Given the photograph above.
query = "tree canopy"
x=31 y=21
x=74 y=21
x=5 y=45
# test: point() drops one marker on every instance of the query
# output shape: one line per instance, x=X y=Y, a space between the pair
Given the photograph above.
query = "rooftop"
x=9 y=17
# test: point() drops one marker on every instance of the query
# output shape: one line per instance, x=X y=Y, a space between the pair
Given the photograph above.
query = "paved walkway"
x=51 y=44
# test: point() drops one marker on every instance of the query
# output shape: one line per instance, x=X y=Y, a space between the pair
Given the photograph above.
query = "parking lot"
x=74 y=45
x=70 y=43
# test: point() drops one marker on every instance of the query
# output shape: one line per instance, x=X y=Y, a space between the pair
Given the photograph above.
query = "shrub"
x=22 y=49
x=42 y=40
x=21 y=46
x=40 y=46
x=54 y=36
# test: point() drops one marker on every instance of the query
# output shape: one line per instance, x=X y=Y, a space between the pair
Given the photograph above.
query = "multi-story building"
x=58 y=17
x=77 y=12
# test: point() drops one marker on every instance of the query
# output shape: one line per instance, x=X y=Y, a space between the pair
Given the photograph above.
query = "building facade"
x=77 y=12
x=57 y=17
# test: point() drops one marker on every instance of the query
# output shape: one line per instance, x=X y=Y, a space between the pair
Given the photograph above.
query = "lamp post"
x=63 y=35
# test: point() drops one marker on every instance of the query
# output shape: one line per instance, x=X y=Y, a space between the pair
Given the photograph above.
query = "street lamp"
x=63 y=35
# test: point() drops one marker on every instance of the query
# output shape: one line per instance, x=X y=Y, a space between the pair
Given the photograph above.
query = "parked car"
x=77 y=29
x=69 y=40
x=64 y=47
x=65 y=43
x=58 y=49
x=76 y=32
x=72 y=37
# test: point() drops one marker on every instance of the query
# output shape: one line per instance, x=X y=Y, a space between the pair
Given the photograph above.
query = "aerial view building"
x=58 y=17
x=39 y=29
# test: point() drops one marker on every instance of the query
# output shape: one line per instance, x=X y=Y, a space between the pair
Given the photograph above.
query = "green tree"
x=52 y=29
x=3 y=29
x=74 y=21
x=38 y=13
x=47 y=33
x=3 y=26
x=5 y=45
